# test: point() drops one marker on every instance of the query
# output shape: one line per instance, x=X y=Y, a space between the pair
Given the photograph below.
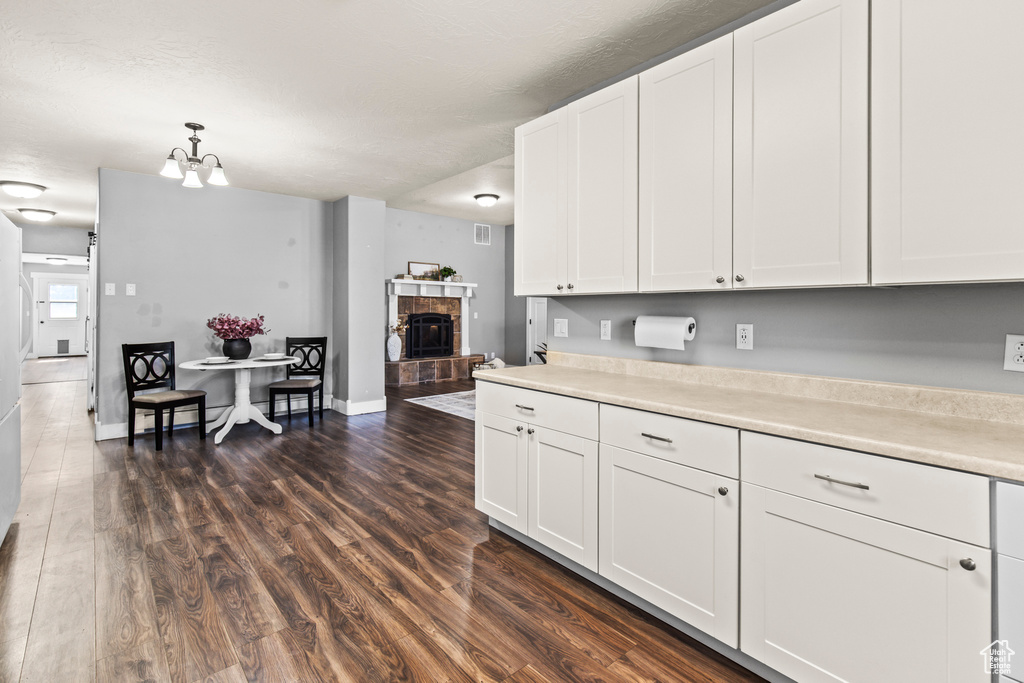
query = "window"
x=63 y=302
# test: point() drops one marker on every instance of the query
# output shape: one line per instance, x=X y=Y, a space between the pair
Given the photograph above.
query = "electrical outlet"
x=606 y=330
x=561 y=327
x=1013 y=353
x=110 y=289
x=745 y=336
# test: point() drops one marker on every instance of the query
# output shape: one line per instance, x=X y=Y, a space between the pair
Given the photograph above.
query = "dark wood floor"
x=349 y=551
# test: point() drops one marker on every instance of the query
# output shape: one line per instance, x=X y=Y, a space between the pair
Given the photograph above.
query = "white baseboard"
x=350 y=408
x=189 y=417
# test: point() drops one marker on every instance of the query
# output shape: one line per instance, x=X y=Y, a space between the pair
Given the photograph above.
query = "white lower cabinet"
x=829 y=594
x=670 y=534
x=501 y=470
x=1010 y=601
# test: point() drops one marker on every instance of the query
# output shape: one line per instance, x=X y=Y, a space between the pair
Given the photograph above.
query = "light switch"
x=110 y=289
x=606 y=330
x=129 y=289
x=561 y=327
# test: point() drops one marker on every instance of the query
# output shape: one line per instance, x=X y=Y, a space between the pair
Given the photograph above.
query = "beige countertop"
x=941 y=427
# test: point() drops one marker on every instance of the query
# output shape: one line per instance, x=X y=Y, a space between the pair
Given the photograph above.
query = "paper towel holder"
x=692 y=326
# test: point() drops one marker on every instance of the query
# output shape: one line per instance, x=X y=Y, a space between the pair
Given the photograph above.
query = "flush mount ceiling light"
x=38 y=215
x=192 y=163
x=56 y=259
x=22 y=190
x=486 y=200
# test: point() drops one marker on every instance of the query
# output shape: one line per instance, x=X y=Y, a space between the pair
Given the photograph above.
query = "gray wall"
x=413 y=236
x=360 y=311
x=54 y=239
x=515 y=308
x=936 y=335
x=195 y=253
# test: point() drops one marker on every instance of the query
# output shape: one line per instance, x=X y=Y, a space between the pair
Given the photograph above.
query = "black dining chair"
x=151 y=366
x=304 y=377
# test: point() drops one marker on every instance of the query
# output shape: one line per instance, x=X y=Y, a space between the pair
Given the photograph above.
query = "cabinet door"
x=602 y=239
x=801 y=146
x=501 y=469
x=827 y=594
x=669 y=536
x=686 y=171
x=563 y=494
x=947 y=142
x=540 y=211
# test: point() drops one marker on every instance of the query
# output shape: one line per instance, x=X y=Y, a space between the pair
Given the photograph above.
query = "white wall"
x=193 y=254
x=413 y=236
x=54 y=239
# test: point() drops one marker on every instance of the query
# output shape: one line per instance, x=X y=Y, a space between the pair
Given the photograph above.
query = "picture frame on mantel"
x=424 y=271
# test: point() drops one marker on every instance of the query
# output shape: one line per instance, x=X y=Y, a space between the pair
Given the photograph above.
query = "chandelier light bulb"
x=192 y=179
x=217 y=176
x=21 y=190
x=486 y=200
x=171 y=168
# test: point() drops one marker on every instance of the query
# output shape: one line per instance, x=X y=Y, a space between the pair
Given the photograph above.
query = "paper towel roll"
x=663 y=332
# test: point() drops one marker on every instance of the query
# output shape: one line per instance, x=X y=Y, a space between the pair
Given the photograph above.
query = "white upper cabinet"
x=801 y=147
x=685 y=231
x=540 y=205
x=602 y=216
x=947 y=141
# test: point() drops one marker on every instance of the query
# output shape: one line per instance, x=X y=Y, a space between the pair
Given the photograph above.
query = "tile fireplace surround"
x=422 y=296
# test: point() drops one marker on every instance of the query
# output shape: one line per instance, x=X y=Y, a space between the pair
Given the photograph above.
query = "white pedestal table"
x=243 y=410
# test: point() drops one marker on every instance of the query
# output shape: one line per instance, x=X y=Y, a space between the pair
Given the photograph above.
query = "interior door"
x=61 y=311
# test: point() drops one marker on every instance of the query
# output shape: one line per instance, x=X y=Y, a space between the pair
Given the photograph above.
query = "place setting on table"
x=236 y=332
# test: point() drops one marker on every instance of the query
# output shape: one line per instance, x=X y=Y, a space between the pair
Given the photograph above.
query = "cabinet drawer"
x=696 y=444
x=952 y=504
x=561 y=413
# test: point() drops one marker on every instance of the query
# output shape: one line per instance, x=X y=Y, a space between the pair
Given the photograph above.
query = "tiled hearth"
x=407 y=297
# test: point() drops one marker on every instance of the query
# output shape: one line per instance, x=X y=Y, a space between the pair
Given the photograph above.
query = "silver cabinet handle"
x=968 y=564
x=570 y=285
x=522 y=407
x=740 y=278
x=839 y=481
x=656 y=438
x=719 y=279
x=519 y=428
x=559 y=287
x=530 y=430
x=722 y=490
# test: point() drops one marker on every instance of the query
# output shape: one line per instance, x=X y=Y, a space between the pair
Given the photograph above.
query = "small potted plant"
x=235 y=332
x=447 y=273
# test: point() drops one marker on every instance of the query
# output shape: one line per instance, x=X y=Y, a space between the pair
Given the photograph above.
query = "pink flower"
x=226 y=326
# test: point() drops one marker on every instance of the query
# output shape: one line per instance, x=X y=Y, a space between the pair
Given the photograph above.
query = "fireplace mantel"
x=461 y=290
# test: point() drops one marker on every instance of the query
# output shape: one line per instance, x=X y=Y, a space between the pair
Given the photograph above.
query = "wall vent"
x=481 y=234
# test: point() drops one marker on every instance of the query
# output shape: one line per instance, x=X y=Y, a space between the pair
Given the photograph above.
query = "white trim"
x=350 y=408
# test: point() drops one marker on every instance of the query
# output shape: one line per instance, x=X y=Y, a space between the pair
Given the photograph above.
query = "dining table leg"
x=243 y=410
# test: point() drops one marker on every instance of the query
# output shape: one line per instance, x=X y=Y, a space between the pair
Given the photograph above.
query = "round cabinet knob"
x=740 y=278
x=570 y=285
x=530 y=430
x=519 y=428
x=968 y=564
x=719 y=279
x=559 y=288
x=722 y=490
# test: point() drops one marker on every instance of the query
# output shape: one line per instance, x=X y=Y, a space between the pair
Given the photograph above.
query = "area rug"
x=462 y=404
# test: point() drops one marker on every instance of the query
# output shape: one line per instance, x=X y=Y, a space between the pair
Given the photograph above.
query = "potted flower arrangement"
x=235 y=332
x=447 y=274
x=394 y=344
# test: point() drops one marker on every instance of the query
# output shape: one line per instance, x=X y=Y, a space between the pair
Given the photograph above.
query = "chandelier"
x=192 y=163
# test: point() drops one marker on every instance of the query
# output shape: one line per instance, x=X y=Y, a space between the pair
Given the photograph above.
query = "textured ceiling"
x=409 y=101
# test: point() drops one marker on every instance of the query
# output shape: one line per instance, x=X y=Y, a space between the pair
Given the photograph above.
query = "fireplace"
x=428 y=335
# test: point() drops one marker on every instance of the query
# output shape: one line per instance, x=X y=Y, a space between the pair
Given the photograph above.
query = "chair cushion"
x=286 y=384
x=168 y=396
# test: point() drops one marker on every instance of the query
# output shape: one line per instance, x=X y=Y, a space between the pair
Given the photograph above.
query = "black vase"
x=237 y=349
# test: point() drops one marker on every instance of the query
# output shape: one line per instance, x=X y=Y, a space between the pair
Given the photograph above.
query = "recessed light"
x=21 y=190
x=486 y=200
x=39 y=215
